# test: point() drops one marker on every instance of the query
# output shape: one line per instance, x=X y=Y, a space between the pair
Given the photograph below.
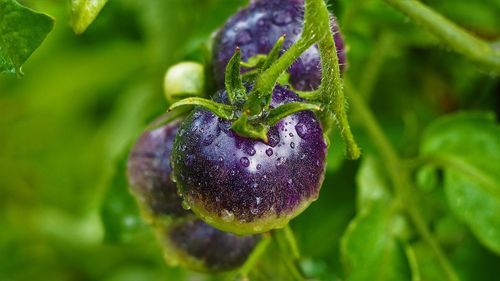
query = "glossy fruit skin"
x=148 y=170
x=244 y=185
x=188 y=241
x=211 y=249
x=256 y=28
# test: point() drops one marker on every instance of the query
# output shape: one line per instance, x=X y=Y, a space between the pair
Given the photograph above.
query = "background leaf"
x=467 y=145
x=372 y=184
x=22 y=30
x=83 y=13
x=371 y=246
x=120 y=214
x=371 y=250
x=64 y=127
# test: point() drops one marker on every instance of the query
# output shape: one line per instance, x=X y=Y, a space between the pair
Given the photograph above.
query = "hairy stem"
x=331 y=90
x=455 y=37
x=374 y=64
x=265 y=82
x=254 y=257
x=399 y=176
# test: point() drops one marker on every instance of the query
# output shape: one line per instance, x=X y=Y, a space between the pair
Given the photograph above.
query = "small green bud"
x=185 y=79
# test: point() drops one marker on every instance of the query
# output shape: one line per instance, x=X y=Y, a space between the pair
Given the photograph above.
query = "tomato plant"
x=250 y=140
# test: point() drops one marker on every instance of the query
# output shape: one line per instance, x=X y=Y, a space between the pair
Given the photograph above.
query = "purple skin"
x=243 y=185
x=217 y=250
x=199 y=243
x=149 y=170
x=256 y=29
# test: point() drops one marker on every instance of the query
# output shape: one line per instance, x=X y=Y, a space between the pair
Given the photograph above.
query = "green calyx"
x=251 y=114
x=254 y=126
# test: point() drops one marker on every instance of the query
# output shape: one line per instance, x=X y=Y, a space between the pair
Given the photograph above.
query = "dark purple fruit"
x=149 y=170
x=189 y=241
x=244 y=185
x=256 y=28
x=207 y=248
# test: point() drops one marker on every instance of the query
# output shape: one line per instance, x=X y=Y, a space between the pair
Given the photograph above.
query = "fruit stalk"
x=330 y=93
x=457 y=38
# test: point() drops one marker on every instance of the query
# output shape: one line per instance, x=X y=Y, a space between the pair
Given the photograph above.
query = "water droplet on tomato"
x=244 y=161
x=301 y=130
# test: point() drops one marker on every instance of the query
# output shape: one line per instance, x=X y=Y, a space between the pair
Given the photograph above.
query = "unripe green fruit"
x=185 y=79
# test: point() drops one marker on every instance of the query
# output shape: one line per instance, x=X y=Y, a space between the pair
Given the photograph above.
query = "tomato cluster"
x=219 y=189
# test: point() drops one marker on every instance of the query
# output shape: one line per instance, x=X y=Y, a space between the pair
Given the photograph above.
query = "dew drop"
x=274 y=138
x=208 y=139
x=263 y=41
x=282 y=18
x=280 y=161
x=291 y=135
x=172 y=177
x=185 y=205
x=259 y=166
x=269 y=152
x=258 y=200
x=301 y=130
x=257 y=228
x=290 y=181
x=244 y=161
x=220 y=159
x=250 y=151
x=303 y=156
x=292 y=145
x=189 y=161
x=243 y=37
x=227 y=215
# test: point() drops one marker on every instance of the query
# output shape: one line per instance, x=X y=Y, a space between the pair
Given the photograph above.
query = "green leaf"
x=236 y=92
x=274 y=53
x=83 y=13
x=426 y=265
x=120 y=215
x=254 y=61
x=372 y=184
x=22 y=30
x=282 y=111
x=370 y=248
x=222 y=110
x=467 y=147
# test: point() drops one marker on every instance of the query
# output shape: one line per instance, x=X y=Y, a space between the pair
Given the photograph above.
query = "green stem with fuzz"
x=457 y=38
x=330 y=93
x=222 y=110
x=400 y=178
x=252 y=260
x=331 y=88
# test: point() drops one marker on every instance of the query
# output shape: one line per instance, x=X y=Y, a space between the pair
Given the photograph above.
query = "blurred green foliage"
x=65 y=126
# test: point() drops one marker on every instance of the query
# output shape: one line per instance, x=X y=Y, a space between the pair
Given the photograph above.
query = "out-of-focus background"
x=65 y=213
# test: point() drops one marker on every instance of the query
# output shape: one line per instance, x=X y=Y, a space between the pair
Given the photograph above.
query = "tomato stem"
x=400 y=177
x=454 y=36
